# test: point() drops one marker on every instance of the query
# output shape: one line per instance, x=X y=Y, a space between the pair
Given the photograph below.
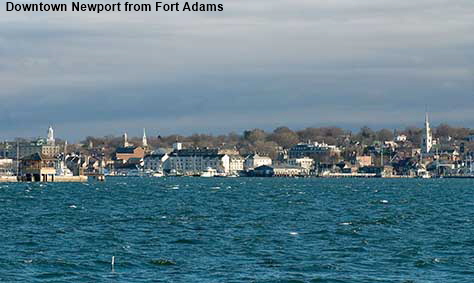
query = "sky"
x=259 y=63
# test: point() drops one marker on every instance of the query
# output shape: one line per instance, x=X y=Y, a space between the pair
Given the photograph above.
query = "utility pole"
x=17 y=159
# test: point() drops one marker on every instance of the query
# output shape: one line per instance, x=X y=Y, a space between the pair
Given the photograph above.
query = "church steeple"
x=144 y=140
x=125 y=140
x=428 y=136
x=50 y=140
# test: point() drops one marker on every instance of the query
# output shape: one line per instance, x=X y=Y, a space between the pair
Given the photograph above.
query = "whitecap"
x=293 y=233
x=72 y=206
x=384 y=201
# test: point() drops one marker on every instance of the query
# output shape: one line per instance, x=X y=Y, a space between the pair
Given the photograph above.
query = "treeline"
x=258 y=140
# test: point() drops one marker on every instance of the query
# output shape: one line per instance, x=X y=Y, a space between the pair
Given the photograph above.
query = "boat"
x=209 y=172
x=157 y=174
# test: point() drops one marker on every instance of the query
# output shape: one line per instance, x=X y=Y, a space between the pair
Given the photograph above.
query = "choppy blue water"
x=238 y=230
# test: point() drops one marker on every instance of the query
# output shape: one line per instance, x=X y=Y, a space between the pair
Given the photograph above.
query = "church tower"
x=144 y=140
x=428 y=136
x=125 y=140
x=50 y=140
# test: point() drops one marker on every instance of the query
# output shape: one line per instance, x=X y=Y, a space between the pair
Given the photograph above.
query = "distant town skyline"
x=257 y=64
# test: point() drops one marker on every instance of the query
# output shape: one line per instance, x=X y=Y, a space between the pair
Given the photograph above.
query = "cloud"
x=258 y=63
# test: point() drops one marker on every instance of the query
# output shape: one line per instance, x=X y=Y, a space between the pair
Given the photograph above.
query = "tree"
x=255 y=135
x=284 y=137
x=384 y=135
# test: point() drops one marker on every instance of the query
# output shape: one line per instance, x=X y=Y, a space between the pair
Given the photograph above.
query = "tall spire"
x=50 y=139
x=428 y=136
x=144 y=140
x=125 y=140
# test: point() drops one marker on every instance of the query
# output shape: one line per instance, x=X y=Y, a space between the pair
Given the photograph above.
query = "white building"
x=155 y=162
x=401 y=138
x=427 y=137
x=312 y=149
x=196 y=161
x=304 y=162
x=236 y=163
x=254 y=160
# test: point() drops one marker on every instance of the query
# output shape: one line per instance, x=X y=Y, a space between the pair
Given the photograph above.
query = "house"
x=254 y=160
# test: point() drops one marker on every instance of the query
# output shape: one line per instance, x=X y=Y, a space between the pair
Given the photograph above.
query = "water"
x=238 y=230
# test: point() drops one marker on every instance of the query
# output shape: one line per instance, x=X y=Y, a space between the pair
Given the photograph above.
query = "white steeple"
x=428 y=136
x=50 y=139
x=125 y=140
x=144 y=140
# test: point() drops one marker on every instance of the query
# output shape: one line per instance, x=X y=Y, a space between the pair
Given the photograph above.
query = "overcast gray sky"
x=260 y=63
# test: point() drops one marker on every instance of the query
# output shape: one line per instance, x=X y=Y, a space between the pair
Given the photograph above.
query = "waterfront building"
x=287 y=170
x=37 y=168
x=196 y=161
x=236 y=163
x=155 y=161
x=262 y=171
x=304 y=162
x=283 y=170
x=427 y=143
x=254 y=160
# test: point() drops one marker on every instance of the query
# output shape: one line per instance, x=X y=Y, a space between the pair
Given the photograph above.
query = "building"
x=37 y=168
x=7 y=167
x=236 y=163
x=313 y=149
x=254 y=160
x=427 y=143
x=196 y=161
x=401 y=138
x=262 y=171
x=20 y=149
x=286 y=170
x=364 y=160
x=155 y=162
x=123 y=154
x=26 y=148
x=304 y=162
